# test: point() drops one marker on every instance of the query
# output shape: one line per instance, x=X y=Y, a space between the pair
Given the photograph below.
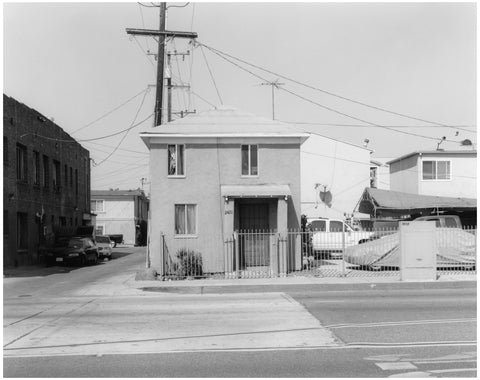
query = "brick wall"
x=64 y=200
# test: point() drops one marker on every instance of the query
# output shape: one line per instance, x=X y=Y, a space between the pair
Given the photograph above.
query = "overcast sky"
x=74 y=62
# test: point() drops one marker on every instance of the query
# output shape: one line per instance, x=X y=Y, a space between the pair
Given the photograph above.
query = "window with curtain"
x=249 y=160
x=176 y=165
x=185 y=219
x=436 y=170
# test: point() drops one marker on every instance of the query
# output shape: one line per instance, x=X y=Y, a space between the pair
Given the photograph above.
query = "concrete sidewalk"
x=281 y=284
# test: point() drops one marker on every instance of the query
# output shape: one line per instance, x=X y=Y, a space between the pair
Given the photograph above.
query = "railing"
x=264 y=254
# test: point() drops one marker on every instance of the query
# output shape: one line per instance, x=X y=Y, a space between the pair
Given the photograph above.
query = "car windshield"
x=103 y=239
x=75 y=243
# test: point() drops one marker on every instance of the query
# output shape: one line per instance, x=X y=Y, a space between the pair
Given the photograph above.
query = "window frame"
x=185 y=235
x=102 y=226
x=184 y=174
x=21 y=163
x=45 y=177
x=36 y=169
x=249 y=175
x=436 y=171
x=96 y=201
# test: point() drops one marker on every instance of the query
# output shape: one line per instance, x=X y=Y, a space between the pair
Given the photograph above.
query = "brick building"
x=46 y=182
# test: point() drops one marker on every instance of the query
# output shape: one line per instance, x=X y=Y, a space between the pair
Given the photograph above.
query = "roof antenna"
x=441 y=140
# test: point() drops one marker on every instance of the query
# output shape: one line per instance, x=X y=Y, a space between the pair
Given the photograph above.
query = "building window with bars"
x=21 y=163
x=249 y=160
x=46 y=172
x=436 y=170
x=36 y=168
x=176 y=160
x=185 y=219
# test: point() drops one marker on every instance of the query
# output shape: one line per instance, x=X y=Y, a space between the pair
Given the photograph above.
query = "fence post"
x=343 y=249
x=236 y=252
x=162 y=241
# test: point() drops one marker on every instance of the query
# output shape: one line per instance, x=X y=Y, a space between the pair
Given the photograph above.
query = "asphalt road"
x=69 y=322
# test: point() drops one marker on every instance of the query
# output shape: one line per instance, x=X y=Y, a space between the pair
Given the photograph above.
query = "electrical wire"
x=381 y=125
x=123 y=149
x=126 y=132
x=110 y=112
x=327 y=92
x=143 y=51
x=326 y=107
x=177 y=6
x=211 y=75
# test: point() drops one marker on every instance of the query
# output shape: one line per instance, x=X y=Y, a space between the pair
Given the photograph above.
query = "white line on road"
x=401 y=323
x=261 y=349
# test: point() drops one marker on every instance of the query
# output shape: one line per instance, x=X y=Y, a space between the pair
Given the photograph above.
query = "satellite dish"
x=326 y=197
x=466 y=142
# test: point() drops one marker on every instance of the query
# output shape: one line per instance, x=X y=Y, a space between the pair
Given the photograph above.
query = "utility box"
x=418 y=251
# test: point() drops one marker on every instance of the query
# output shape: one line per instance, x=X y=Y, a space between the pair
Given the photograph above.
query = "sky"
x=74 y=62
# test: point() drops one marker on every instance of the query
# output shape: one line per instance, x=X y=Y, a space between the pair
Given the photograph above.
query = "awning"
x=390 y=203
x=255 y=191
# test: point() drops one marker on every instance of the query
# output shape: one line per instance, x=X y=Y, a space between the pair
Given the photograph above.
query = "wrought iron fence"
x=264 y=254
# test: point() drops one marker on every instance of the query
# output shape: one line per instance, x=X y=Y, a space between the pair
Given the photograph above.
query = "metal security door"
x=254 y=234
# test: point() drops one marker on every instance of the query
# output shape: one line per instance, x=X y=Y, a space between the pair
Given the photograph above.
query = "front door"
x=254 y=234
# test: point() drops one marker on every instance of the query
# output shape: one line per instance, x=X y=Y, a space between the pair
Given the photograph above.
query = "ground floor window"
x=22 y=230
x=185 y=219
x=99 y=229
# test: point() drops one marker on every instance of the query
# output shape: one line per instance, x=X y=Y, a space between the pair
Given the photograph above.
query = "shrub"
x=189 y=263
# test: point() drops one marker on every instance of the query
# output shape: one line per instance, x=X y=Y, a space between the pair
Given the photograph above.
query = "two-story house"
x=218 y=173
x=442 y=173
x=122 y=212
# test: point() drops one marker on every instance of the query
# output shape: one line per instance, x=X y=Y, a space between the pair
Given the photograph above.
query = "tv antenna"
x=274 y=84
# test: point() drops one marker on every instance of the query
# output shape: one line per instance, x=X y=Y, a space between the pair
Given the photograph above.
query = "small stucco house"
x=121 y=212
x=450 y=173
x=217 y=173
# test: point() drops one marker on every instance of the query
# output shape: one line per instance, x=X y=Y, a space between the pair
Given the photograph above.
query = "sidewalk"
x=297 y=283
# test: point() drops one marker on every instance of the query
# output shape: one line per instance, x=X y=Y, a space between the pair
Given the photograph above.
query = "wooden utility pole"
x=162 y=34
x=274 y=85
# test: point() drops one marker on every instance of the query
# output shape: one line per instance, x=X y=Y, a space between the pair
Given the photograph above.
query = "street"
x=86 y=322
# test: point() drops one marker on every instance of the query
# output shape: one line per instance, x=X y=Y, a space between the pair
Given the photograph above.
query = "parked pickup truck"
x=117 y=239
x=328 y=236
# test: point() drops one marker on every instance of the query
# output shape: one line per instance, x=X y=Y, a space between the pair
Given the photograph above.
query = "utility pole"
x=162 y=34
x=170 y=86
x=274 y=85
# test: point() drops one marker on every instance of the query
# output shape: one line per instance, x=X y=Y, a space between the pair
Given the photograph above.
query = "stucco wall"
x=404 y=175
x=463 y=182
x=343 y=168
x=207 y=167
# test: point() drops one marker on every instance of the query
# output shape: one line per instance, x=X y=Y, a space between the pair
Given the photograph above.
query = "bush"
x=189 y=263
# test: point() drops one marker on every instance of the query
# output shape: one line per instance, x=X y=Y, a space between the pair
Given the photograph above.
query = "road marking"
x=389 y=366
x=429 y=373
x=259 y=349
x=401 y=323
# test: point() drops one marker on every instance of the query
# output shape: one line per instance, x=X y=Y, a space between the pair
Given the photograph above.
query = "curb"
x=253 y=288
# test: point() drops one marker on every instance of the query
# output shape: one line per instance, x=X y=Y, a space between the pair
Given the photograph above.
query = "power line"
x=126 y=132
x=111 y=111
x=93 y=139
x=123 y=149
x=381 y=125
x=330 y=108
x=327 y=92
x=211 y=75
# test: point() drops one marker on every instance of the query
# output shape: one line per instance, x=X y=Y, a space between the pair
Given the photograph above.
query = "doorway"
x=254 y=233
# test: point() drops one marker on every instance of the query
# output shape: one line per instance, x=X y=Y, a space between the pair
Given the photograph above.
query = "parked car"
x=76 y=250
x=449 y=221
x=104 y=245
x=117 y=239
x=330 y=236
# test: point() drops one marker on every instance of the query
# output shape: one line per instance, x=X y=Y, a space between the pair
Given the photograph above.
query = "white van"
x=330 y=235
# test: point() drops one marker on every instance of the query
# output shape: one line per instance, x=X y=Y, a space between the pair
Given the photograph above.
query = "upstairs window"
x=185 y=219
x=176 y=160
x=56 y=175
x=436 y=170
x=21 y=163
x=98 y=205
x=249 y=160
x=46 y=172
x=36 y=168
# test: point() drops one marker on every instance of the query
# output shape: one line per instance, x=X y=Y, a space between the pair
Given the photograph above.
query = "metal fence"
x=264 y=254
